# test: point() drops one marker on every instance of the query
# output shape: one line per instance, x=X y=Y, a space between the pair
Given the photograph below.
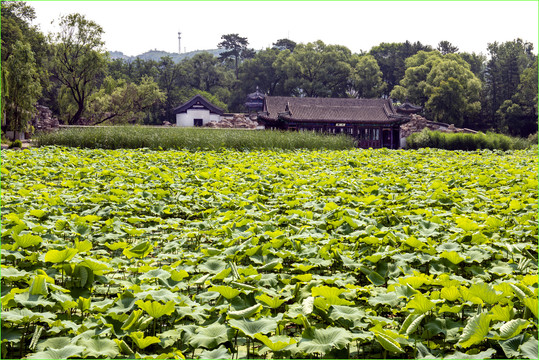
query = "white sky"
x=135 y=27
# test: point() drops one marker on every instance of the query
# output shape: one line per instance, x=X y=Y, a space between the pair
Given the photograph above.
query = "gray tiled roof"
x=330 y=109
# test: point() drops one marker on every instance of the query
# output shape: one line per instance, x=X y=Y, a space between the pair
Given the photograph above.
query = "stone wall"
x=418 y=123
x=43 y=120
x=239 y=121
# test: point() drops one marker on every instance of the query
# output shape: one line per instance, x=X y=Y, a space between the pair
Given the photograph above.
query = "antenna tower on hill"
x=179 y=42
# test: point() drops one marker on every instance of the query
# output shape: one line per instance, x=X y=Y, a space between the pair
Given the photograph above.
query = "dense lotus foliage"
x=285 y=254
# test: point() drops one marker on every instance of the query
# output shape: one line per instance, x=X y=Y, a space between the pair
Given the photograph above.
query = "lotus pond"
x=269 y=254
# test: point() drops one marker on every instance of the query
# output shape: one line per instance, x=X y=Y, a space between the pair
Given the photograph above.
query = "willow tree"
x=79 y=60
x=20 y=87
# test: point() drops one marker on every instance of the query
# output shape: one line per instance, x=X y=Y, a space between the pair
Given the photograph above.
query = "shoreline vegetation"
x=158 y=138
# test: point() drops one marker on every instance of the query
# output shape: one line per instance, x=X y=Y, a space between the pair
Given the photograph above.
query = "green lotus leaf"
x=466 y=224
x=63 y=353
x=420 y=304
x=156 y=274
x=141 y=341
x=244 y=313
x=81 y=229
x=178 y=275
x=22 y=316
x=410 y=324
x=322 y=341
x=222 y=275
x=220 y=353
x=412 y=241
x=272 y=302
x=212 y=266
x=427 y=228
x=501 y=313
x=59 y=256
x=251 y=328
x=31 y=301
x=117 y=245
x=511 y=347
x=140 y=250
x=210 y=337
x=530 y=349
x=485 y=292
x=452 y=256
x=12 y=274
x=123 y=347
x=450 y=293
x=450 y=309
x=487 y=354
x=276 y=343
x=27 y=240
x=39 y=285
x=326 y=291
x=95 y=265
x=532 y=304
x=345 y=312
x=133 y=320
x=198 y=313
x=54 y=343
x=83 y=246
x=155 y=309
x=475 y=331
x=384 y=299
x=38 y=213
x=226 y=291
x=511 y=329
x=388 y=343
x=100 y=348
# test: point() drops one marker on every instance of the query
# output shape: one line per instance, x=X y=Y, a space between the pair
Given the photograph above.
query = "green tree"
x=79 y=60
x=453 y=92
x=477 y=63
x=285 y=44
x=203 y=70
x=262 y=71
x=16 y=29
x=444 y=85
x=445 y=47
x=235 y=46
x=507 y=62
x=171 y=77
x=367 y=78
x=20 y=87
x=518 y=116
x=121 y=102
x=318 y=70
x=391 y=58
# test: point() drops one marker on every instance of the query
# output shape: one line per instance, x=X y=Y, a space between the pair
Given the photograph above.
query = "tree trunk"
x=75 y=119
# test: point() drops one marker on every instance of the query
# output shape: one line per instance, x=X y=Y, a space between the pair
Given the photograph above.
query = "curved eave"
x=394 y=121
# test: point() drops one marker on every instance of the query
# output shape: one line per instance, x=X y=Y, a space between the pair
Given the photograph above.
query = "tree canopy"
x=79 y=60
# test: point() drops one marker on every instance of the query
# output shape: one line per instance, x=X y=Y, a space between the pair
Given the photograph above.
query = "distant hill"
x=158 y=54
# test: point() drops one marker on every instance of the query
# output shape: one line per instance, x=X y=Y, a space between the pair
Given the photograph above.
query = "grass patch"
x=467 y=142
x=134 y=137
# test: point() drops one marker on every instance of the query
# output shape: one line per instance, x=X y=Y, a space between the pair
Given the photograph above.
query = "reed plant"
x=134 y=137
x=467 y=142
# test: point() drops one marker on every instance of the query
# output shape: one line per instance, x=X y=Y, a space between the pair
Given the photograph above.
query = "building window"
x=197 y=122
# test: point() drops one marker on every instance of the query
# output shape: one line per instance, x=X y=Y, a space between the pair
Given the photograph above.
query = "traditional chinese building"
x=375 y=123
x=197 y=112
x=255 y=101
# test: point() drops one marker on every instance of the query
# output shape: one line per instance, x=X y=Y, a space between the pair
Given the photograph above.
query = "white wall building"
x=197 y=112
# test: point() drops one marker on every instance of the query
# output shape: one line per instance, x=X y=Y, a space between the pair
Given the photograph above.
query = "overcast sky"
x=134 y=27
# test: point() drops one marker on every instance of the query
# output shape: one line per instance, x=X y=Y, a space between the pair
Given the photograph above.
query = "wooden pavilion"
x=375 y=123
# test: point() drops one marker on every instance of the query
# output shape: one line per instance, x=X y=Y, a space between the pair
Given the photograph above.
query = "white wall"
x=187 y=119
